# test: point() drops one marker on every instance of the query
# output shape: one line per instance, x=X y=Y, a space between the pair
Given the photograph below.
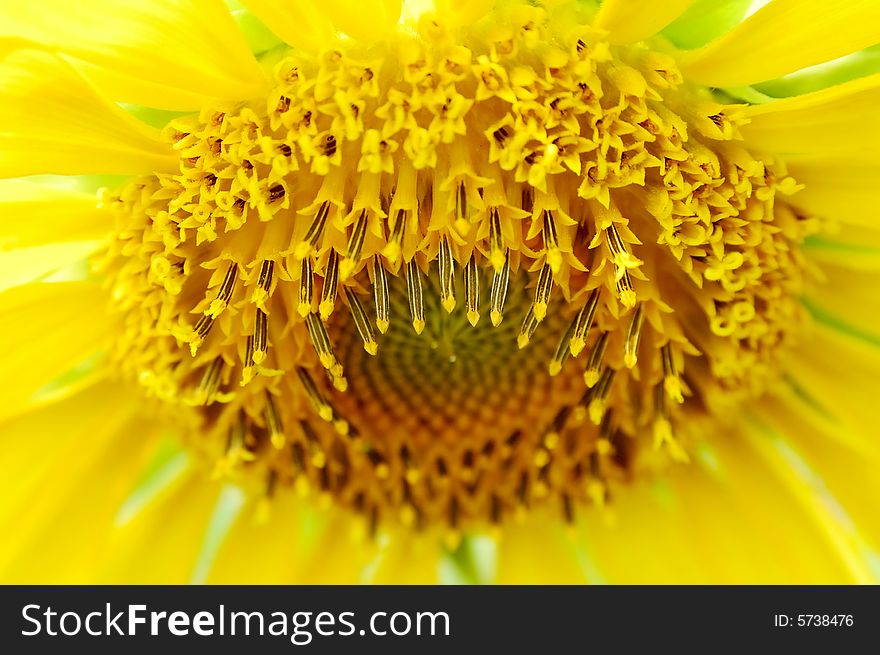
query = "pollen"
x=451 y=277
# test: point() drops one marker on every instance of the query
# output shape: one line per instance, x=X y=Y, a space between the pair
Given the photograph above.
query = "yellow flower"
x=512 y=291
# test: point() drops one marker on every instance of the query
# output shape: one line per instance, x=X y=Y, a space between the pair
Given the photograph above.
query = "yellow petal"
x=169 y=54
x=36 y=214
x=846 y=297
x=462 y=12
x=538 y=552
x=298 y=22
x=725 y=518
x=628 y=21
x=782 y=37
x=66 y=469
x=838 y=373
x=23 y=265
x=838 y=119
x=161 y=542
x=839 y=186
x=296 y=543
x=364 y=20
x=45 y=330
x=774 y=450
x=849 y=476
x=53 y=121
x=408 y=558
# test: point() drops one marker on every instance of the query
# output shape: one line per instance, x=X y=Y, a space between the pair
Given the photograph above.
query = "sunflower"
x=474 y=291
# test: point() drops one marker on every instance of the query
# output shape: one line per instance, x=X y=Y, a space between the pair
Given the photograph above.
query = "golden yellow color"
x=480 y=291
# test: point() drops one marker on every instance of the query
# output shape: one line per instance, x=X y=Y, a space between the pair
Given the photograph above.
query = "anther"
x=551 y=242
x=594 y=360
x=625 y=290
x=261 y=342
x=321 y=406
x=361 y=321
x=461 y=210
x=414 y=291
x=276 y=193
x=321 y=342
x=353 y=250
x=497 y=252
x=394 y=246
x=563 y=349
x=582 y=323
x=447 y=275
x=671 y=381
x=599 y=394
x=498 y=295
x=529 y=325
x=328 y=291
x=472 y=290
x=633 y=334
x=306 y=288
x=313 y=234
x=542 y=292
x=273 y=422
x=380 y=295
x=210 y=382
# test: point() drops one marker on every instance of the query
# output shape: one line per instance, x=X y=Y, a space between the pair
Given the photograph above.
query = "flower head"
x=446 y=272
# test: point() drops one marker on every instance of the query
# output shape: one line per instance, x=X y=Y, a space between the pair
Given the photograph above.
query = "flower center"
x=447 y=278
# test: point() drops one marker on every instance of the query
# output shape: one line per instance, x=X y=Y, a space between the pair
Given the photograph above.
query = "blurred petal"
x=704 y=21
x=839 y=186
x=300 y=23
x=784 y=36
x=55 y=122
x=46 y=329
x=67 y=468
x=36 y=214
x=839 y=119
x=23 y=265
x=628 y=21
x=170 y=54
x=726 y=518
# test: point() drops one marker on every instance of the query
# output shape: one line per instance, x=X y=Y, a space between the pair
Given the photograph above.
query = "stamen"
x=361 y=321
x=447 y=275
x=563 y=348
x=498 y=295
x=598 y=395
x=472 y=291
x=321 y=343
x=625 y=290
x=594 y=359
x=394 y=246
x=462 y=224
x=210 y=382
x=542 y=292
x=260 y=342
x=306 y=288
x=313 y=235
x=671 y=381
x=328 y=291
x=321 y=406
x=551 y=242
x=414 y=291
x=224 y=293
x=355 y=243
x=497 y=251
x=582 y=323
x=529 y=325
x=273 y=423
x=633 y=334
x=380 y=294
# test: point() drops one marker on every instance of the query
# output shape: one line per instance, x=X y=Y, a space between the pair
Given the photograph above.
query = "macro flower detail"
x=445 y=271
